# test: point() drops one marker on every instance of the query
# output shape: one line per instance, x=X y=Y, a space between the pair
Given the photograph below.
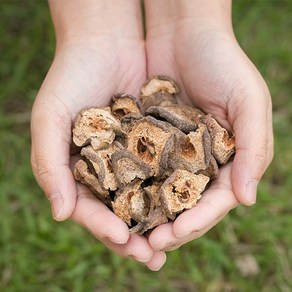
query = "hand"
x=89 y=67
x=202 y=54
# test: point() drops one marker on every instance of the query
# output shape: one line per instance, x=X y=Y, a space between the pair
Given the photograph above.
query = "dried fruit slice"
x=181 y=191
x=139 y=206
x=158 y=99
x=156 y=214
x=212 y=171
x=223 y=146
x=124 y=104
x=193 y=151
x=128 y=121
x=183 y=117
x=122 y=201
x=96 y=126
x=102 y=163
x=155 y=218
x=128 y=167
x=151 y=141
x=83 y=175
x=159 y=83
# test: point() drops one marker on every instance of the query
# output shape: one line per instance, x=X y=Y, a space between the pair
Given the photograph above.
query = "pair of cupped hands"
x=214 y=74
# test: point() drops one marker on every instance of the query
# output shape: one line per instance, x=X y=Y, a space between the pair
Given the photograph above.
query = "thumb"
x=51 y=136
x=253 y=138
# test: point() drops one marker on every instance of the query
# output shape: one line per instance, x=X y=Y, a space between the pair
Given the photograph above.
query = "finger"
x=137 y=248
x=157 y=261
x=218 y=200
x=270 y=135
x=215 y=203
x=171 y=242
x=50 y=159
x=108 y=228
x=251 y=127
x=98 y=219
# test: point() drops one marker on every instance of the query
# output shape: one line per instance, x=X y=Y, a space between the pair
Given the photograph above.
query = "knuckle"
x=261 y=155
x=44 y=173
x=33 y=165
x=270 y=154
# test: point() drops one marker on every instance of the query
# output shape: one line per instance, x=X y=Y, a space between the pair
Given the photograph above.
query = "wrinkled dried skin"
x=183 y=117
x=124 y=104
x=212 y=171
x=101 y=161
x=82 y=174
x=128 y=167
x=122 y=201
x=158 y=99
x=139 y=206
x=129 y=120
x=223 y=146
x=194 y=151
x=156 y=214
x=159 y=84
x=151 y=141
x=153 y=193
x=96 y=126
x=155 y=218
x=181 y=191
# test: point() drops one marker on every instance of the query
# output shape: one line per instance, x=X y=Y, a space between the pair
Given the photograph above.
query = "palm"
x=210 y=80
x=90 y=76
x=83 y=77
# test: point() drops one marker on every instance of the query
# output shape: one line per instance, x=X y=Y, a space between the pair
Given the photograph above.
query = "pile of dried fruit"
x=149 y=160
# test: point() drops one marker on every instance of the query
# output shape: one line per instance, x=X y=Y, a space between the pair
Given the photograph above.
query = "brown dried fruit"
x=128 y=167
x=155 y=218
x=149 y=169
x=139 y=206
x=151 y=141
x=122 y=201
x=124 y=104
x=83 y=175
x=182 y=117
x=101 y=161
x=153 y=193
x=96 y=126
x=181 y=191
x=159 y=83
x=193 y=151
x=212 y=171
x=158 y=99
x=155 y=214
x=223 y=146
x=128 y=121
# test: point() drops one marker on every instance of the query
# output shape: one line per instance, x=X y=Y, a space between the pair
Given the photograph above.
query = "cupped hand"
x=85 y=74
x=216 y=76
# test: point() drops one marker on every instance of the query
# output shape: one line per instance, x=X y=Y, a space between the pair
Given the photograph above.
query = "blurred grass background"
x=250 y=250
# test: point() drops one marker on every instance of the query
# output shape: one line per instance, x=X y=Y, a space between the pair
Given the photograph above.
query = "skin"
x=98 y=56
x=194 y=40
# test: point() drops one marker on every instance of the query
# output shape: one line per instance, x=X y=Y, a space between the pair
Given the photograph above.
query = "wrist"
x=167 y=16
x=76 y=20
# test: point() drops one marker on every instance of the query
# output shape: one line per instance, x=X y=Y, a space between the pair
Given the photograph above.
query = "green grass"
x=37 y=253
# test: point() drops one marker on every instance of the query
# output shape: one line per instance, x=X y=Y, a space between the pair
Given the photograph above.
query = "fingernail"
x=138 y=259
x=56 y=205
x=141 y=260
x=117 y=241
x=251 y=191
x=158 y=262
x=156 y=269
x=172 y=248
